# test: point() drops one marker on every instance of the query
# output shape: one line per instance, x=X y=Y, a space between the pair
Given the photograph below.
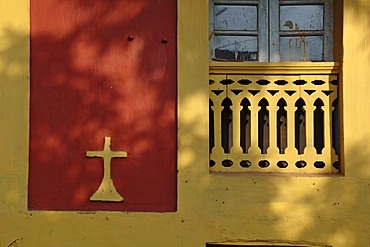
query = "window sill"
x=281 y=68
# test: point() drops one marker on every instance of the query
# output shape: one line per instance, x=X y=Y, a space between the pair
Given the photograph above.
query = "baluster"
x=309 y=150
x=254 y=150
x=273 y=109
x=326 y=152
x=217 y=154
x=309 y=154
x=291 y=150
x=236 y=109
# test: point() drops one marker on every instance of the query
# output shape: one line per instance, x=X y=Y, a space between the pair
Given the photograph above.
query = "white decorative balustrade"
x=274 y=123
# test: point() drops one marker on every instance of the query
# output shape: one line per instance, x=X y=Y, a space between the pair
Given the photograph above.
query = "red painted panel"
x=90 y=80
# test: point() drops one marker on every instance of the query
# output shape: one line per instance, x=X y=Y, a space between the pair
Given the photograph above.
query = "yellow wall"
x=211 y=208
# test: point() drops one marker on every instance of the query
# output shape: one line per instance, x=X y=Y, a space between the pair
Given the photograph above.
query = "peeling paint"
x=16 y=242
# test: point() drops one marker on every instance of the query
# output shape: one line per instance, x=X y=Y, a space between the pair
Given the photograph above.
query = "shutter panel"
x=103 y=69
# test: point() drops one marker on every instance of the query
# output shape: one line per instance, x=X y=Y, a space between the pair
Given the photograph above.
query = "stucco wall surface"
x=211 y=207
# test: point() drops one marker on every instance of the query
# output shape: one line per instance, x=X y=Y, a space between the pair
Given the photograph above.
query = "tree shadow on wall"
x=305 y=210
x=237 y=207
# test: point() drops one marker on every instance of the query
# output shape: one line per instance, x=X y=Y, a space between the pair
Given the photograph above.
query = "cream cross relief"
x=106 y=191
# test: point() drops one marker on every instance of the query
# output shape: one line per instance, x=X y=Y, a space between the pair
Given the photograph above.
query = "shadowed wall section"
x=103 y=68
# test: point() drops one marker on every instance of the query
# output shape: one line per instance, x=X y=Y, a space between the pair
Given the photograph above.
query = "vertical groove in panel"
x=274 y=17
x=263 y=25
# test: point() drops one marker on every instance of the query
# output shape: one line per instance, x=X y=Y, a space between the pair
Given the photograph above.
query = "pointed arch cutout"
x=245 y=125
x=300 y=126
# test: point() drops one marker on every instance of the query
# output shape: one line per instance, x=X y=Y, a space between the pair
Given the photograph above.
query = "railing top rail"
x=281 y=68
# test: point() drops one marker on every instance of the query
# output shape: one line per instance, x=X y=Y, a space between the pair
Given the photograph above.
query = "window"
x=268 y=116
x=271 y=30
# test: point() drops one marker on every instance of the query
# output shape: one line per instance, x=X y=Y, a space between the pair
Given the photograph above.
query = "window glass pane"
x=301 y=48
x=242 y=48
x=302 y=17
x=235 y=17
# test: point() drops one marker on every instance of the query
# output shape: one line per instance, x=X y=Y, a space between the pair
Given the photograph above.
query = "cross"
x=106 y=191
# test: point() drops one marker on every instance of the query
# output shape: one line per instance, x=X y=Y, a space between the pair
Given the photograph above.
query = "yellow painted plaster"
x=211 y=207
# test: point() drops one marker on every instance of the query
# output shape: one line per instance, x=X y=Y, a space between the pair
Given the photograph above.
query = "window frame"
x=268 y=28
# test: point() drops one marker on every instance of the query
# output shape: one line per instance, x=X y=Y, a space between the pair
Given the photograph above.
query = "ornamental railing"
x=274 y=123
